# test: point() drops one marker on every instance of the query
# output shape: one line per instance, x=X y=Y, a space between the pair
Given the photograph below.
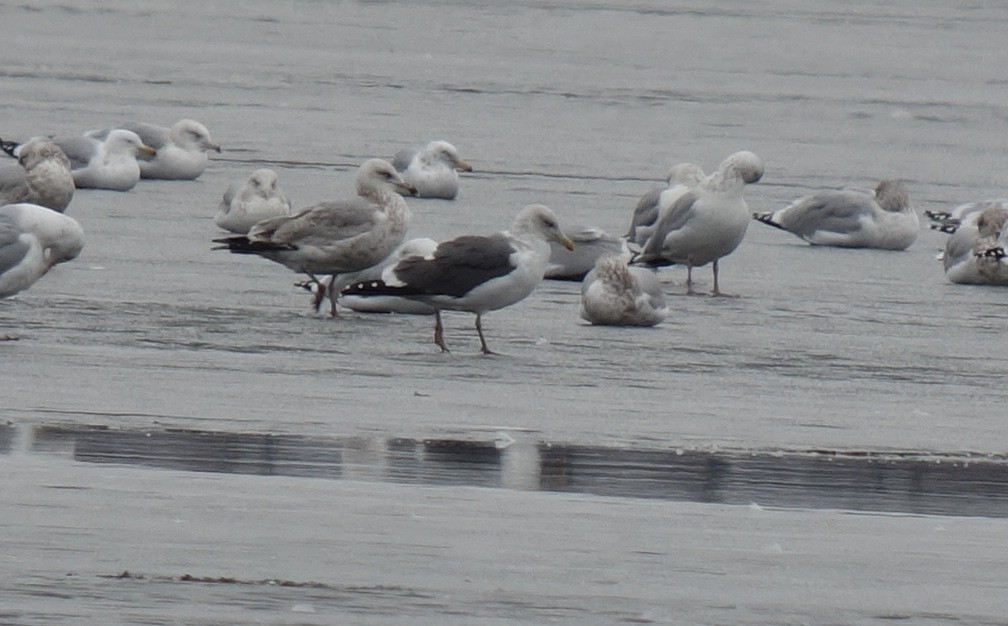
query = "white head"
x=262 y=183
x=444 y=152
x=743 y=165
x=121 y=141
x=539 y=220
x=378 y=176
x=191 y=133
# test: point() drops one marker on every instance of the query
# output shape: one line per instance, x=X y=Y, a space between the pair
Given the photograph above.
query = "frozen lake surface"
x=828 y=447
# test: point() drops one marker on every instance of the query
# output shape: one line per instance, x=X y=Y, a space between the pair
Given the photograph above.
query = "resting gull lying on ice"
x=848 y=218
x=181 y=151
x=433 y=170
x=615 y=294
x=475 y=273
x=257 y=199
x=42 y=176
x=975 y=252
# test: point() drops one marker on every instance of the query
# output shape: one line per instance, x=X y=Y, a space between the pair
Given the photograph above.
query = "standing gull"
x=42 y=176
x=974 y=253
x=682 y=177
x=32 y=239
x=337 y=236
x=615 y=294
x=475 y=273
x=433 y=170
x=706 y=223
x=257 y=199
x=180 y=151
x=850 y=218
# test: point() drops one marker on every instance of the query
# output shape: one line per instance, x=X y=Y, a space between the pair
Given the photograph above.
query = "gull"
x=707 y=223
x=42 y=176
x=337 y=236
x=34 y=238
x=849 y=218
x=475 y=273
x=180 y=151
x=615 y=294
x=974 y=253
x=433 y=170
x=682 y=177
x=257 y=199
x=109 y=163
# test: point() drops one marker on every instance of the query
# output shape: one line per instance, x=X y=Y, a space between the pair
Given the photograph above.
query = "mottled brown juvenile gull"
x=682 y=177
x=338 y=236
x=975 y=252
x=706 y=223
x=589 y=244
x=257 y=199
x=475 y=273
x=433 y=170
x=848 y=218
x=615 y=294
x=33 y=238
x=42 y=176
x=181 y=150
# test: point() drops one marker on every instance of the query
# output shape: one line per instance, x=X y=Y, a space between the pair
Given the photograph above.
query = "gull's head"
x=744 y=165
x=39 y=150
x=191 y=133
x=377 y=174
x=123 y=141
x=892 y=195
x=540 y=219
x=446 y=153
x=264 y=181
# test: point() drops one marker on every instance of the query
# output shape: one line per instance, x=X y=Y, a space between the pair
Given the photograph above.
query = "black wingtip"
x=241 y=244
x=9 y=147
x=767 y=218
x=948 y=226
x=993 y=253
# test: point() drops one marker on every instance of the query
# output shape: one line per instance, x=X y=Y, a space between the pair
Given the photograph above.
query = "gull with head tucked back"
x=851 y=218
x=433 y=170
x=707 y=223
x=615 y=294
x=338 y=236
x=475 y=273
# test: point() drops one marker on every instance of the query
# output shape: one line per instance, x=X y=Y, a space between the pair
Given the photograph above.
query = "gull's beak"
x=463 y=166
x=565 y=241
x=146 y=150
x=213 y=146
x=405 y=188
